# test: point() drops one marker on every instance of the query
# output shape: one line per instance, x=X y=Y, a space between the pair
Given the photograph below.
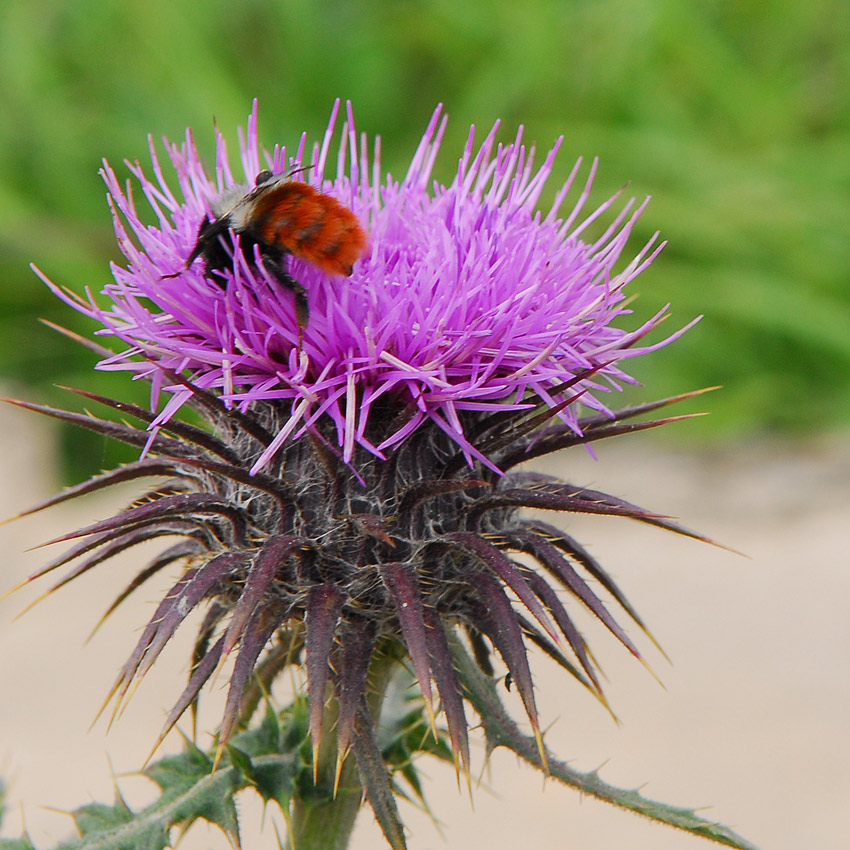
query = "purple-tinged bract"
x=355 y=500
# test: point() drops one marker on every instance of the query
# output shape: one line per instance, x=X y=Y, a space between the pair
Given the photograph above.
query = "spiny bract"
x=357 y=493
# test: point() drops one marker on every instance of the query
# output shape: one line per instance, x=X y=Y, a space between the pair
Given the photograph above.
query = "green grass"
x=734 y=117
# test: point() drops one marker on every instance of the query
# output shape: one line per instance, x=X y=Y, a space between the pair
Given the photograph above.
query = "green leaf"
x=405 y=731
x=107 y=825
x=174 y=774
x=275 y=780
x=190 y=790
x=501 y=730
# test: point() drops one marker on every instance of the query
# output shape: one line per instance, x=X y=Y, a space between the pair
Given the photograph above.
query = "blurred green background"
x=735 y=117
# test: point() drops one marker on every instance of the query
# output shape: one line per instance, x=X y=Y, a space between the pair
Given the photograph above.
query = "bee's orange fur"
x=307 y=224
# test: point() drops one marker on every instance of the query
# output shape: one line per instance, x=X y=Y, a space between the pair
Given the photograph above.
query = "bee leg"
x=302 y=308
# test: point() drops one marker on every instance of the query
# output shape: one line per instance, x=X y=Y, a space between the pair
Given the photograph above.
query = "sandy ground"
x=752 y=722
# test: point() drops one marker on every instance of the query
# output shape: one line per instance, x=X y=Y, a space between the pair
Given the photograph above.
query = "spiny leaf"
x=507 y=571
x=273 y=780
x=564 y=498
x=123 y=433
x=97 y=820
x=205 y=667
x=262 y=625
x=182 y=430
x=596 y=427
x=169 y=614
x=511 y=425
x=402 y=583
x=321 y=615
x=236 y=471
x=110 y=543
x=447 y=684
x=180 y=507
x=149 y=467
x=573 y=548
x=430 y=489
x=532 y=633
x=271 y=555
x=530 y=423
x=186 y=595
x=552 y=560
x=214 y=411
x=601 y=420
x=501 y=730
x=189 y=791
x=565 y=438
x=354 y=653
x=182 y=549
x=496 y=619
x=375 y=779
x=565 y=623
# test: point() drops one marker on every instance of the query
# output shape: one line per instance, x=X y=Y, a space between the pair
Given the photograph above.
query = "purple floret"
x=468 y=298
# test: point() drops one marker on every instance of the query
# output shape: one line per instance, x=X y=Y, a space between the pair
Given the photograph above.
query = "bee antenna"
x=298 y=170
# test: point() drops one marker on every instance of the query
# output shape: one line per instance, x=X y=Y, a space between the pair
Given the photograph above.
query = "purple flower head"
x=468 y=298
x=352 y=502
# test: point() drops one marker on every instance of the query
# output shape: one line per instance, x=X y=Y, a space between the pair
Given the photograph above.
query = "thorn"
x=602 y=764
x=461 y=767
x=656 y=644
x=24 y=826
x=102 y=708
x=219 y=751
x=595 y=663
x=287 y=818
x=57 y=811
x=277 y=836
x=456 y=761
x=340 y=758
x=114 y=776
x=211 y=682
x=11 y=590
x=484 y=765
x=96 y=628
x=544 y=760
x=156 y=746
x=651 y=671
x=695 y=393
x=124 y=700
x=432 y=718
x=32 y=604
x=9 y=519
x=604 y=700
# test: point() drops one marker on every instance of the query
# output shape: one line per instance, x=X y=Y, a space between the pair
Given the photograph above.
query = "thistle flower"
x=357 y=495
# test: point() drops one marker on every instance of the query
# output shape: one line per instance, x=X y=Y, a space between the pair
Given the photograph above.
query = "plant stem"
x=328 y=823
x=327 y=826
